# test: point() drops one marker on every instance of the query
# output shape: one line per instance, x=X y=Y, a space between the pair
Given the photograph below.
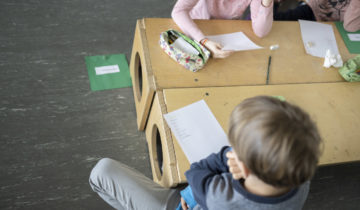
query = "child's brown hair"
x=277 y=141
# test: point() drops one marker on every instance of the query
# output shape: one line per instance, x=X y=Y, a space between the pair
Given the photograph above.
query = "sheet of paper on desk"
x=317 y=38
x=197 y=131
x=234 y=41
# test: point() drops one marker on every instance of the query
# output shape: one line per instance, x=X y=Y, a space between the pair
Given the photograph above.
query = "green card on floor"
x=351 y=39
x=108 y=71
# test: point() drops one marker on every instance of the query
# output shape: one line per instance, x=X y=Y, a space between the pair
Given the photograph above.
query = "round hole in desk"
x=138 y=77
x=157 y=152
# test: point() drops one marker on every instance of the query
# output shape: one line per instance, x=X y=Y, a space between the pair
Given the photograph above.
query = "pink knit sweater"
x=186 y=10
x=336 y=10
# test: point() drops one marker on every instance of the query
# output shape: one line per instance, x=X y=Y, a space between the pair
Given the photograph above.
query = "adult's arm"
x=181 y=16
x=201 y=173
x=261 y=16
x=352 y=16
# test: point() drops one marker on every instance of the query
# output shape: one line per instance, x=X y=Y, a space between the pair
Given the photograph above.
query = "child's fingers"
x=219 y=46
x=234 y=170
x=219 y=53
x=228 y=52
x=231 y=163
x=232 y=157
x=224 y=54
x=184 y=205
x=230 y=154
x=236 y=176
x=216 y=51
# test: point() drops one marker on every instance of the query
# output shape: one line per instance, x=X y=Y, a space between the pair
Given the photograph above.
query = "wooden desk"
x=151 y=69
x=334 y=107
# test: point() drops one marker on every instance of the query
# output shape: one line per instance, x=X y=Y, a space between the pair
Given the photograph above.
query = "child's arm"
x=181 y=16
x=352 y=16
x=201 y=173
x=261 y=17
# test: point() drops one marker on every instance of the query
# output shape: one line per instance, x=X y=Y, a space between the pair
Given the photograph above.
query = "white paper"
x=197 y=131
x=184 y=46
x=235 y=41
x=332 y=60
x=354 y=37
x=107 y=69
x=317 y=38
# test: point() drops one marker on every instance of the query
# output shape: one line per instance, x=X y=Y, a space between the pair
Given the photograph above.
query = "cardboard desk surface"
x=152 y=69
x=290 y=64
x=334 y=107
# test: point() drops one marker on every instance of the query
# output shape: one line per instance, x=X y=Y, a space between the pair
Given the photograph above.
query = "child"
x=275 y=151
x=186 y=10
x=347 y=11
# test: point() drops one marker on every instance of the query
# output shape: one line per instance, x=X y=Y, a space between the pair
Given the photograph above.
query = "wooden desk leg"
x=161 y=148
x=141 y=75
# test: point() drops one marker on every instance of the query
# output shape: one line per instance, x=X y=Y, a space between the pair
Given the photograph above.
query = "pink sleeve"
x=181 y=16
x=352 y=16
x=261 y=17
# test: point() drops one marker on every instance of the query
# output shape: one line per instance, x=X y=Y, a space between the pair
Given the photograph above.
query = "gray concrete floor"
x=53 y=129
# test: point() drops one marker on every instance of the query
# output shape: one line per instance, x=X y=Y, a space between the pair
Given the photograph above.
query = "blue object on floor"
x=188 y=197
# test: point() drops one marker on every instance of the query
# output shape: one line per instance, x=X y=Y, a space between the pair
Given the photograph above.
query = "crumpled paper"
x=350 y=70
x=332 y=60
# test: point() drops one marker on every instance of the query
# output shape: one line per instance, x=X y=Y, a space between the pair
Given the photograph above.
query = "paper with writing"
x=197 y=131
x=107 y=69
x=318 y=38
x=354 y=37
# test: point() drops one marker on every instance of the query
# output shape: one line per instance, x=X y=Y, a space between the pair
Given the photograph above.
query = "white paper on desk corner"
x=234 y=41
x=318 y=38
x=197 y=131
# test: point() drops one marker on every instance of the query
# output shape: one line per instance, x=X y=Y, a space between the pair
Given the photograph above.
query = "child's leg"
x=124 y=188
x=303 y=12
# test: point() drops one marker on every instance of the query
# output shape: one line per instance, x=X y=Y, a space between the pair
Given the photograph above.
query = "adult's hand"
x=216 y=49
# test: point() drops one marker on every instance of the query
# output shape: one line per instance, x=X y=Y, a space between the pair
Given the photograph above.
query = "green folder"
x=108 y=71
x=353 y=46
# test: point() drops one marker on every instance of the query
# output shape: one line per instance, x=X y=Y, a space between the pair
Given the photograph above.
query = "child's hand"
x=216 y=49
x=233 y=164
x=266 y=3
x=184 y=205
